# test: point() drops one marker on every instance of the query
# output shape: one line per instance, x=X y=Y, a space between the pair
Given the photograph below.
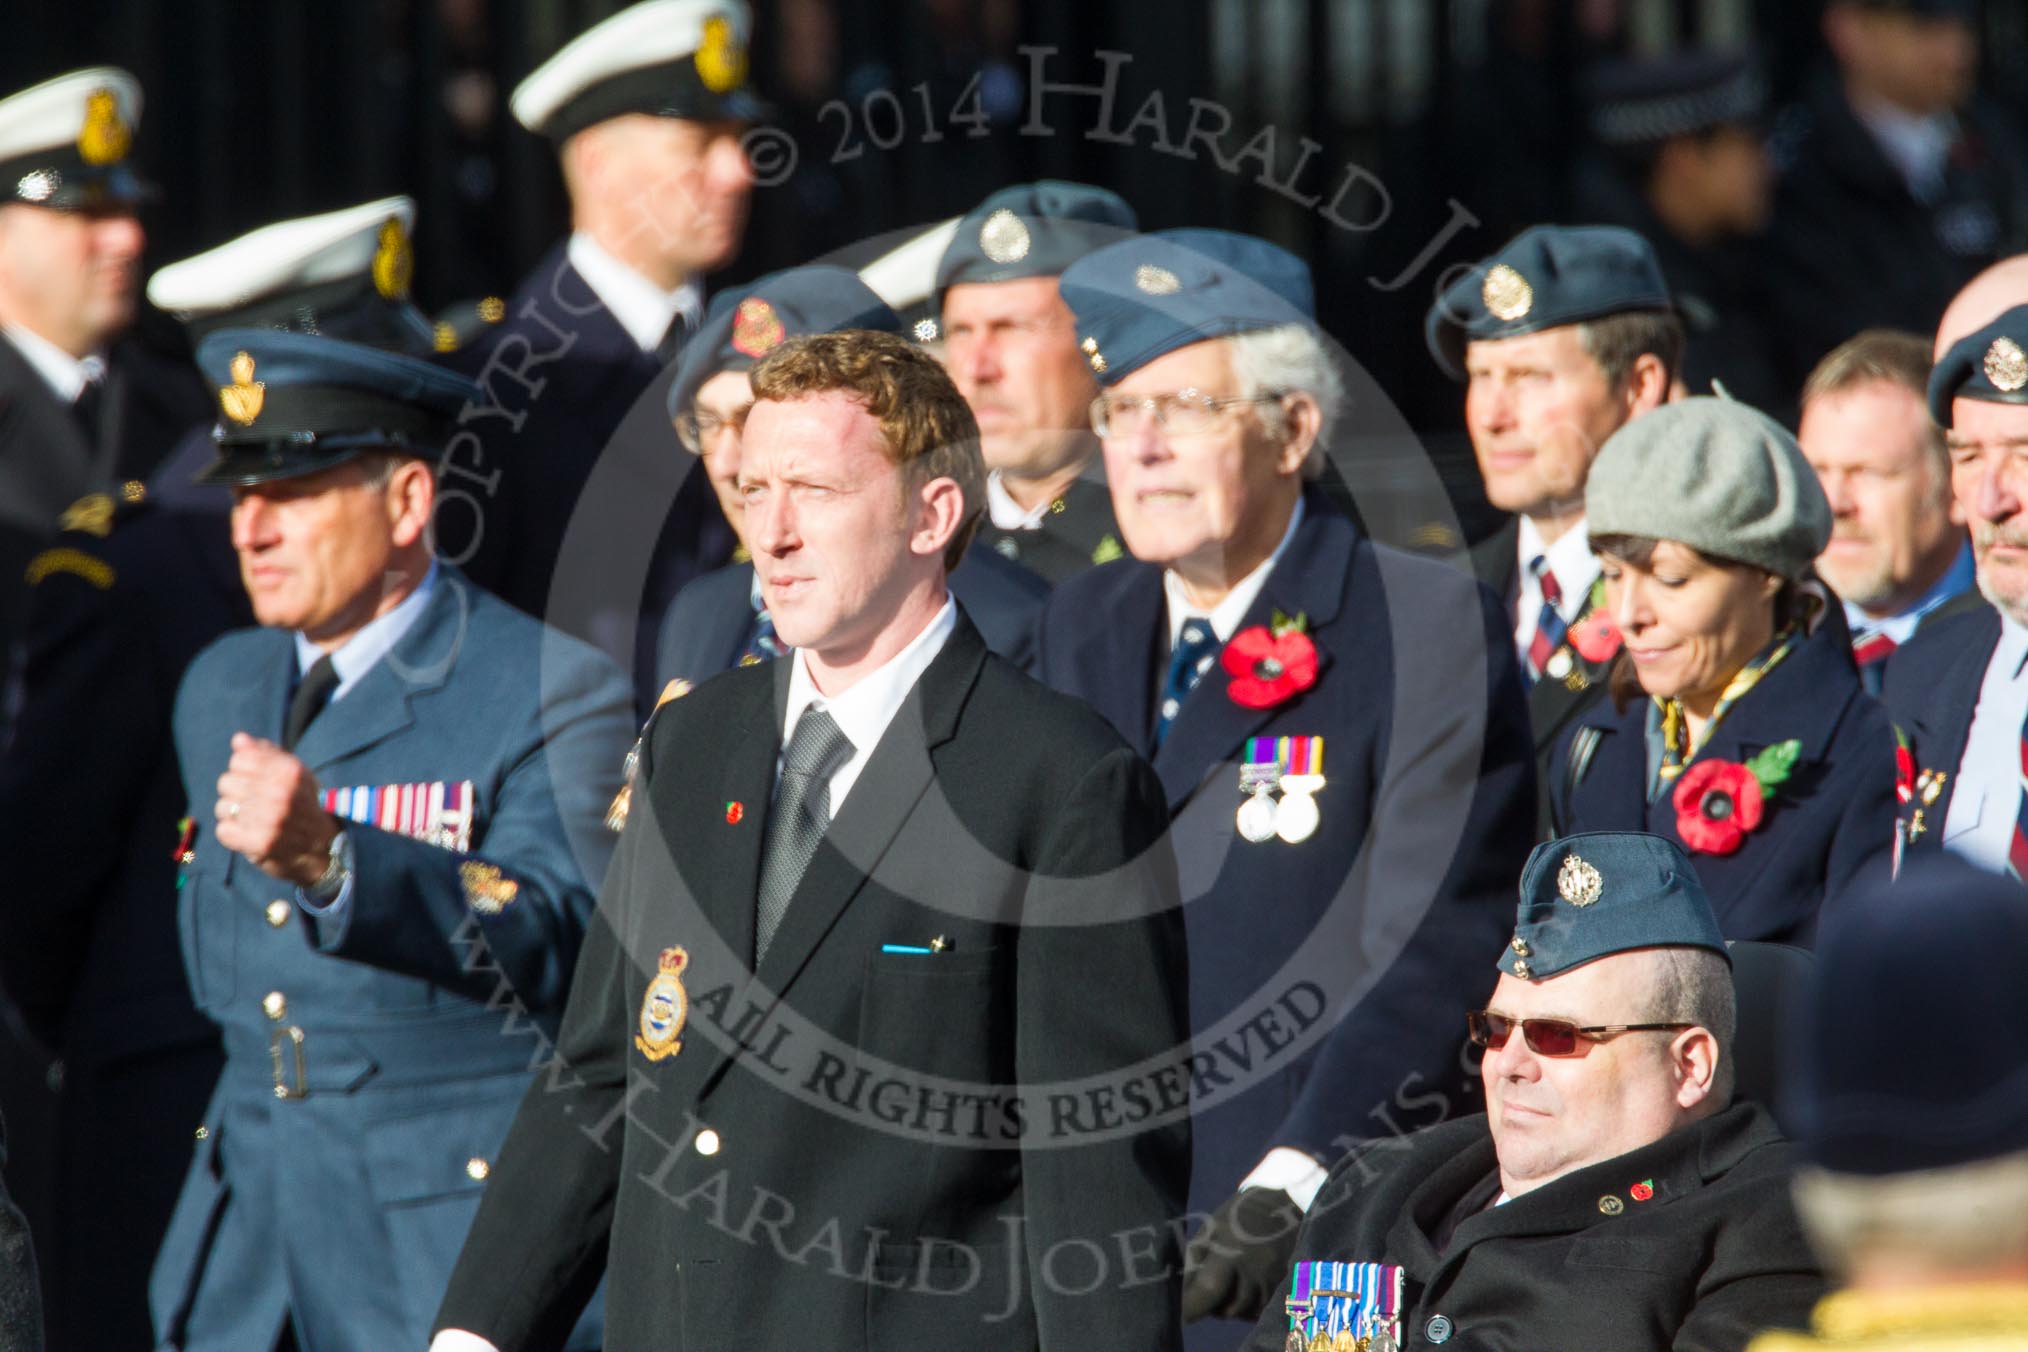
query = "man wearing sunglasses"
x=1614 y=1196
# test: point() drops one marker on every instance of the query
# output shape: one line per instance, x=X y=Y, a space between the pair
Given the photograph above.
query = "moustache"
x=1985 y=535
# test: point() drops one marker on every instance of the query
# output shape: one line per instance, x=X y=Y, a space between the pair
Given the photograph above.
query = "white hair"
x=1289 y=357
x=1968 y=1218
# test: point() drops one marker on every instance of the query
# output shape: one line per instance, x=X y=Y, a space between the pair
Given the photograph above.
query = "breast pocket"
x=204 y=922
x=945 y=1014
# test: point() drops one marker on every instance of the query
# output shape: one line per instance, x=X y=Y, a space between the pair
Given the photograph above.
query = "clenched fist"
x=269 y=810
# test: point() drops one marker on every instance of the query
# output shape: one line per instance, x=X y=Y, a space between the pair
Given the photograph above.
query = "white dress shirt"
x=1916 y=144
x=1987 y=799
x=1007 y=514
x=1224 y=617
x=65 y=375
x=644 y=310
x=1576 y=569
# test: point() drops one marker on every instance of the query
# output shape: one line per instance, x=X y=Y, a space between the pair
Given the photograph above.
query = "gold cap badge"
x=756 y=328
x=1507 y=294
x=721 y=59
x=92 y=514
x=1004 y=237
x=1578 y=882
x=486 y=890
x=444 y=337
x=2006 y=365
x=493 y=309
x=104 y=139
x=664 y=1007
x=242 y=399
x=1156 y=281
x=393 y=262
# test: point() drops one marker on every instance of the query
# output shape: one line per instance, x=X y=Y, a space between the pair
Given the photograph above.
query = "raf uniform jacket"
x=1831 y=825
x=792 y=1172
x=1329 y=980
x=90 y=794
x=1933 y=684
x=375 y=1056
x=1690 y=1244
x=1077 y=532
x=710 y=623
x=565 y=491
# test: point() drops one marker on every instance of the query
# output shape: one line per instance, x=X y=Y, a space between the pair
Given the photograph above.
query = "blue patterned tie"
x=762 y=644
x=1196 y=650
x=1550 y=627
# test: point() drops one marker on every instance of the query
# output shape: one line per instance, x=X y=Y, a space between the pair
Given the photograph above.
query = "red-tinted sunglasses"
x=1553 y=1037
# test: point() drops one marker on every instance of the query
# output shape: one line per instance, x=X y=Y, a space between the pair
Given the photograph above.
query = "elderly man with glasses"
x=1615 y=1195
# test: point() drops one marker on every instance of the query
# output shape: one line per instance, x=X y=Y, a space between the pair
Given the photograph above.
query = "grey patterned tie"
x=802 y=810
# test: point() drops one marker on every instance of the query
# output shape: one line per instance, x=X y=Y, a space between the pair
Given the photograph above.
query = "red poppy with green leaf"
x=1270 y=663
x=1719 y=803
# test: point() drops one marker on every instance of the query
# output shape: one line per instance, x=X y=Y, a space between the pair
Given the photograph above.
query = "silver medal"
x=1257 y=817
x=1296 y=819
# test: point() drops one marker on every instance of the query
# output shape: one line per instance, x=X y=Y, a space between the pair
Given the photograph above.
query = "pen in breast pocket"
x=937 y=945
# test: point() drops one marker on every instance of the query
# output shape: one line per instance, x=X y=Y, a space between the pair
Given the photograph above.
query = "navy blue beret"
x=1909 y=1054
x=295 y=403
x=745 y=325
x=1033 y=230
x=1546 y=276
x=1603 y=892
x=1991 y=365
x=1143 y=297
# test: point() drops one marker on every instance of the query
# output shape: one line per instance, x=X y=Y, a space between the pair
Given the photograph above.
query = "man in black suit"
x=881 y=1040
x=566 y=492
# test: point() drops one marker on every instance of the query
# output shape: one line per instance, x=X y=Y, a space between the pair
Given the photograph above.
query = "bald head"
x=1992 y=293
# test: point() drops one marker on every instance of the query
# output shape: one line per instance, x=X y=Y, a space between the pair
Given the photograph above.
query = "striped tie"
x=761 y=645
x=2017 y=848
x=1550 y=626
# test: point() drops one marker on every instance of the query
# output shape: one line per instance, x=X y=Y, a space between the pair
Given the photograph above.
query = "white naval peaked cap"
x=54 y=113
x=907 y=274
x=64 y=142
x=675 y=58
x=284 y=256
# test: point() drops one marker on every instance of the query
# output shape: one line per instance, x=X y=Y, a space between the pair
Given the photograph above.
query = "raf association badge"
x=1506 y=293
x=242 y=399
x=2006 y=365
x=1577 y=882
x=664 y=1008
x=1004 y=237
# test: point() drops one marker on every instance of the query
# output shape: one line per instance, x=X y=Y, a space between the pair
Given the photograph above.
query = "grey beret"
x=1716 y=475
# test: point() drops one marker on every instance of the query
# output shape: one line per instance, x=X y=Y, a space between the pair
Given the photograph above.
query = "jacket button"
x=278 y=913
x=707 y=1142
x=275 y=1006
x=476 y=1169
x=203 y=1132
x=1438 y=1330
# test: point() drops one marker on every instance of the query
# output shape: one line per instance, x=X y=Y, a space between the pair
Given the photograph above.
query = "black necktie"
x=673 y=338
x=89 y=409
x=801 y=813
x=309 y=700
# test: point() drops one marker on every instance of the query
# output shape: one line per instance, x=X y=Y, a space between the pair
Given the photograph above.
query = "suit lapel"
x=1116 y=663
x=1412 y=1235
x=1308 y=580
x=380 y=704
x=1944 y=724
x=1496 y=559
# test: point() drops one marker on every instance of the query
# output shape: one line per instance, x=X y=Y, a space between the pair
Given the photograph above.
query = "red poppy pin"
x=1643 y=1190
x=1270 y=663
x=734 y=811
x=1719 y=802
x=1596 y=637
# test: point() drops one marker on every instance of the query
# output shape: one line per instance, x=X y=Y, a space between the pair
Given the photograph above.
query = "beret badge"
x=242 y=399
x=1506 y=293
x=1156 y=281
x=1003 y=238
x=756 y=328
x=1577 y=882
x=2006 y=365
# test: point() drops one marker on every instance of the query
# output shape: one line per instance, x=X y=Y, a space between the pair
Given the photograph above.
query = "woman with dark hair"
x=1737 y=728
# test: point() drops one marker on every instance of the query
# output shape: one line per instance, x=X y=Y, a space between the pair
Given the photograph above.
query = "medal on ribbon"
x=1292 y=766
x=437 y=813
x=1344 y=1307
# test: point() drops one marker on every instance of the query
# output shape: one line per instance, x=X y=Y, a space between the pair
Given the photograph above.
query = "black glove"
x=1235 y=1263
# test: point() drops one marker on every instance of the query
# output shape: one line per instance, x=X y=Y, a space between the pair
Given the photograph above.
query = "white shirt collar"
x=2012 y=651
x=644 y=310
x=1226 y=615
x=359 y=654
x=1007 y=514
x=1917 y=145
x=1570 y=558
x=864 y=710
x=65 y=375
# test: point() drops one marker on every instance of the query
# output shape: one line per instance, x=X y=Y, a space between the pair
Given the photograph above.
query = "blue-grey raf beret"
x=1990 y=365
x=1546 y=277
x=1141 y=298
x=1033 y=230
x=745 y=325
x=1603 y=892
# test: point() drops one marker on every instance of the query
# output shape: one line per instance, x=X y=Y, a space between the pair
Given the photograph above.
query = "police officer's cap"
x=1603 y=892
x=64 y=143
x=1909 y=1054
x=1141 y=298
x=1968 y=10
x=745 y=325
x=296 y=403
x=1989 y=365
x=1547 y=276
x=666 y=58
x=1033 y=230
x=1645 y=102
x=344 y=274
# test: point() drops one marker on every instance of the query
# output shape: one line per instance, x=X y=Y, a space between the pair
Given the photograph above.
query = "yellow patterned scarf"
x=1676 y=748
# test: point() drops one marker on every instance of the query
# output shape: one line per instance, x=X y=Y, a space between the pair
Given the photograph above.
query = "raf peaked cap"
x=1546 y=277
x=1143 y=297
x=64 y=143
x=1909 y=1054
x=1604 y=892
x=745 y=325
x=1991 y=365
x=295 y=403
x=1033 y=230
x=665 y=58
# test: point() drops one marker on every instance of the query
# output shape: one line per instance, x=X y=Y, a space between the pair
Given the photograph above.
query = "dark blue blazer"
x=420 y=1009
x=566 y=491
x=1932 y=691
x=1829 y=827
x=1328 y=980
x=707 y=626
